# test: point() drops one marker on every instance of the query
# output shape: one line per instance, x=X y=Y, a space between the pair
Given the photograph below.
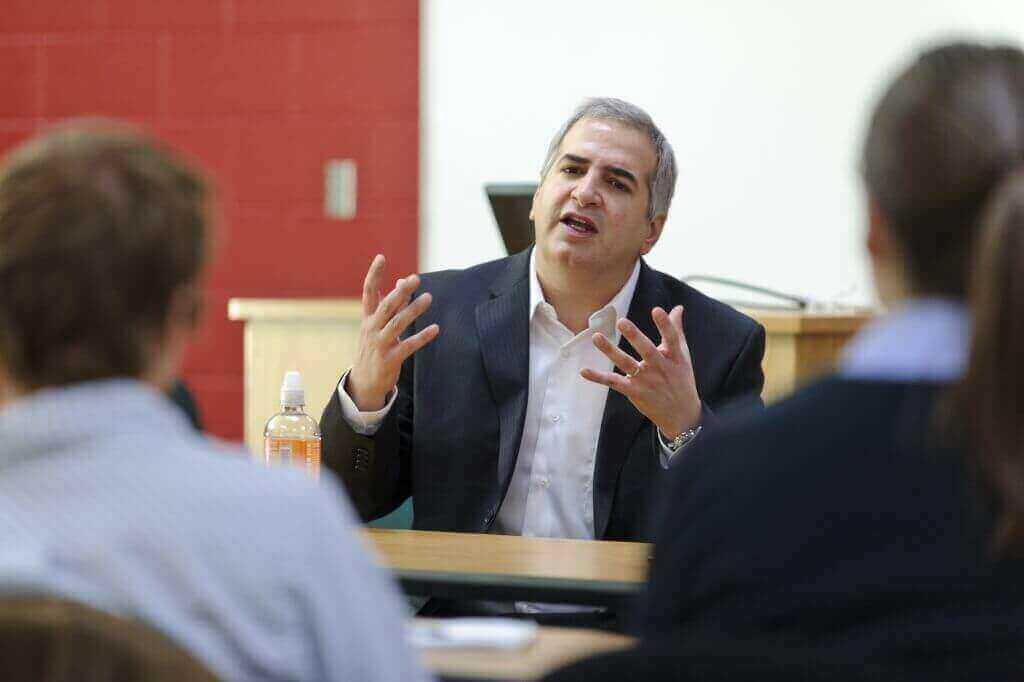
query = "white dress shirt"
x=551 y=492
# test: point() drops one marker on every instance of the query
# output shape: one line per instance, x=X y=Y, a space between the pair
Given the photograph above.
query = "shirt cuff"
x=665 y=450
x=363 y=423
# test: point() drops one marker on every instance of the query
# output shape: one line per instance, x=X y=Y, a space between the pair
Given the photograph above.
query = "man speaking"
x=544 y=393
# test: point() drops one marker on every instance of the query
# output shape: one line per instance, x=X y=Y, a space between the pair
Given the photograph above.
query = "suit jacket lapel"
x=621 y=420
x=503 y=326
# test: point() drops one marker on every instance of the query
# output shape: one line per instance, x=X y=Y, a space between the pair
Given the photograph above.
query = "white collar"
x=924 y=339
x=619 y=303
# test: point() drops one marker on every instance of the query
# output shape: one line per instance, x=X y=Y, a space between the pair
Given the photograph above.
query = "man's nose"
x=586 y=191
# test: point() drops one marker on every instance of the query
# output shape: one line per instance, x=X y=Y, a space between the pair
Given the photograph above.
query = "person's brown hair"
x=102 y=232
x=942 y=137
x=990 y=399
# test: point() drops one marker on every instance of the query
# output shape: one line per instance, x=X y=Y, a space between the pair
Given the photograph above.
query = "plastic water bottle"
x=292 y=437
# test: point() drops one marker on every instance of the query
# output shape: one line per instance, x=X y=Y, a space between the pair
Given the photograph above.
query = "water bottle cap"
x=292 y=393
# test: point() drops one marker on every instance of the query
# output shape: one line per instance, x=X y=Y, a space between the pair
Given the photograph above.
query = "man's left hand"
x=662 y=385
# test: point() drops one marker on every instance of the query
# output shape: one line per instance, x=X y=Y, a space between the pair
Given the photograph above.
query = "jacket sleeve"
x=745 y=380
x=376 y=470
x=742 y=386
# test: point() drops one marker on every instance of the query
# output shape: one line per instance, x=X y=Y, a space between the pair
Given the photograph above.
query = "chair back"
x=45 y=639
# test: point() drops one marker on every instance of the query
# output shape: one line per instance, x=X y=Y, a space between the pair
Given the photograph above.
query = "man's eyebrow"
x=614 y=170
x=623 y=173
x=575 y=159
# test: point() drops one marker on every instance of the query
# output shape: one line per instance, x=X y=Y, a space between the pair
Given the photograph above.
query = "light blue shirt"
x=108 y=496
x=922 y=340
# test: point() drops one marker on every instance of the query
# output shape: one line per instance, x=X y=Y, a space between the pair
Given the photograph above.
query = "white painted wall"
x=764 y=102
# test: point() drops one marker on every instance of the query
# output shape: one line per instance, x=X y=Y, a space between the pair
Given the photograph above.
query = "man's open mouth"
x=579 y=223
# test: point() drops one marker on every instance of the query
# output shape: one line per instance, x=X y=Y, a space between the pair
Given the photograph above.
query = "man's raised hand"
x=661 y=385
x=381 y=350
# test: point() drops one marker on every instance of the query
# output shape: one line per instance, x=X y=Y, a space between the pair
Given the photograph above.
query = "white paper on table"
x=494 y=633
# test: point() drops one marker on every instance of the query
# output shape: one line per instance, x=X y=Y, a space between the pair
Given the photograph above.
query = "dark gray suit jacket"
x=452 y=437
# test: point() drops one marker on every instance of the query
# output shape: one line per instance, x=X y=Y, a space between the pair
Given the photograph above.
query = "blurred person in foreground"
x=107 y=494
x=876 y=518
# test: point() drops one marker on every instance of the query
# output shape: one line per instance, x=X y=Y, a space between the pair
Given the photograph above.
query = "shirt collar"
x=924 y=339
x=619 y=303
x=65 y=417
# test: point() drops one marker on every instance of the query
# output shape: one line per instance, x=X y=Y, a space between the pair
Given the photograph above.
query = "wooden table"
x=511 y=568
x=553 y=648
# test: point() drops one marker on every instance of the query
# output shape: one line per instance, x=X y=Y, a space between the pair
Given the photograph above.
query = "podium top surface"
x=294 y=309
x=775 y=321
x=838 y=321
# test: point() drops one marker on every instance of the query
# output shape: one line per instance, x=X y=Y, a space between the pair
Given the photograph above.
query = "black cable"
x=797 y=302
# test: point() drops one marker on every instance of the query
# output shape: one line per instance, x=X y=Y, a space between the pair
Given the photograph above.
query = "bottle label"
x=294 y=452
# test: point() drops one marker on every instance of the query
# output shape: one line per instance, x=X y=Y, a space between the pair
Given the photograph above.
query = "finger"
x=371 y=285
x=609 y=379
x=400 y=322
x=671 y=337
x=396 y=299
x=643 y=345
x=619 y=358
x=677 y=321
x=417 y=341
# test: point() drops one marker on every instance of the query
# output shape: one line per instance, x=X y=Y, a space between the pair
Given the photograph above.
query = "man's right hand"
x=381 y=351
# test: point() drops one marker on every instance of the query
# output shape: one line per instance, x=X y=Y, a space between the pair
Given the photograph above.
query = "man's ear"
x=888 y=265
x=533 y=204
x=185 y=311
x=168 y=344
x=879 y=240
x=8 y=389
x=654 y=229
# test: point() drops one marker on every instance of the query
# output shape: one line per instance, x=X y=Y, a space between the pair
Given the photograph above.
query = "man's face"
x=590 y=211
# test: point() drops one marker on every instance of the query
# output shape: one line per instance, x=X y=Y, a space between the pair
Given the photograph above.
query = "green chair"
x=401 y=518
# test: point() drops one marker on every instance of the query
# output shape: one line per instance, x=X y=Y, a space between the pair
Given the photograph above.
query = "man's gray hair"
x=661 y=185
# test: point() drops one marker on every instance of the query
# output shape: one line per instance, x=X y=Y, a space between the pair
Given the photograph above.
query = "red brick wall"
x=261 y=92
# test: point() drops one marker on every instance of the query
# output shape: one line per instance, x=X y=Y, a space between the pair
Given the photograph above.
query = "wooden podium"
x=315 y=336
x=318 y=337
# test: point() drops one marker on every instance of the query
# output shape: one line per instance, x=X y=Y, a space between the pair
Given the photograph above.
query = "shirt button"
x=555 y=418
x=545 y=482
